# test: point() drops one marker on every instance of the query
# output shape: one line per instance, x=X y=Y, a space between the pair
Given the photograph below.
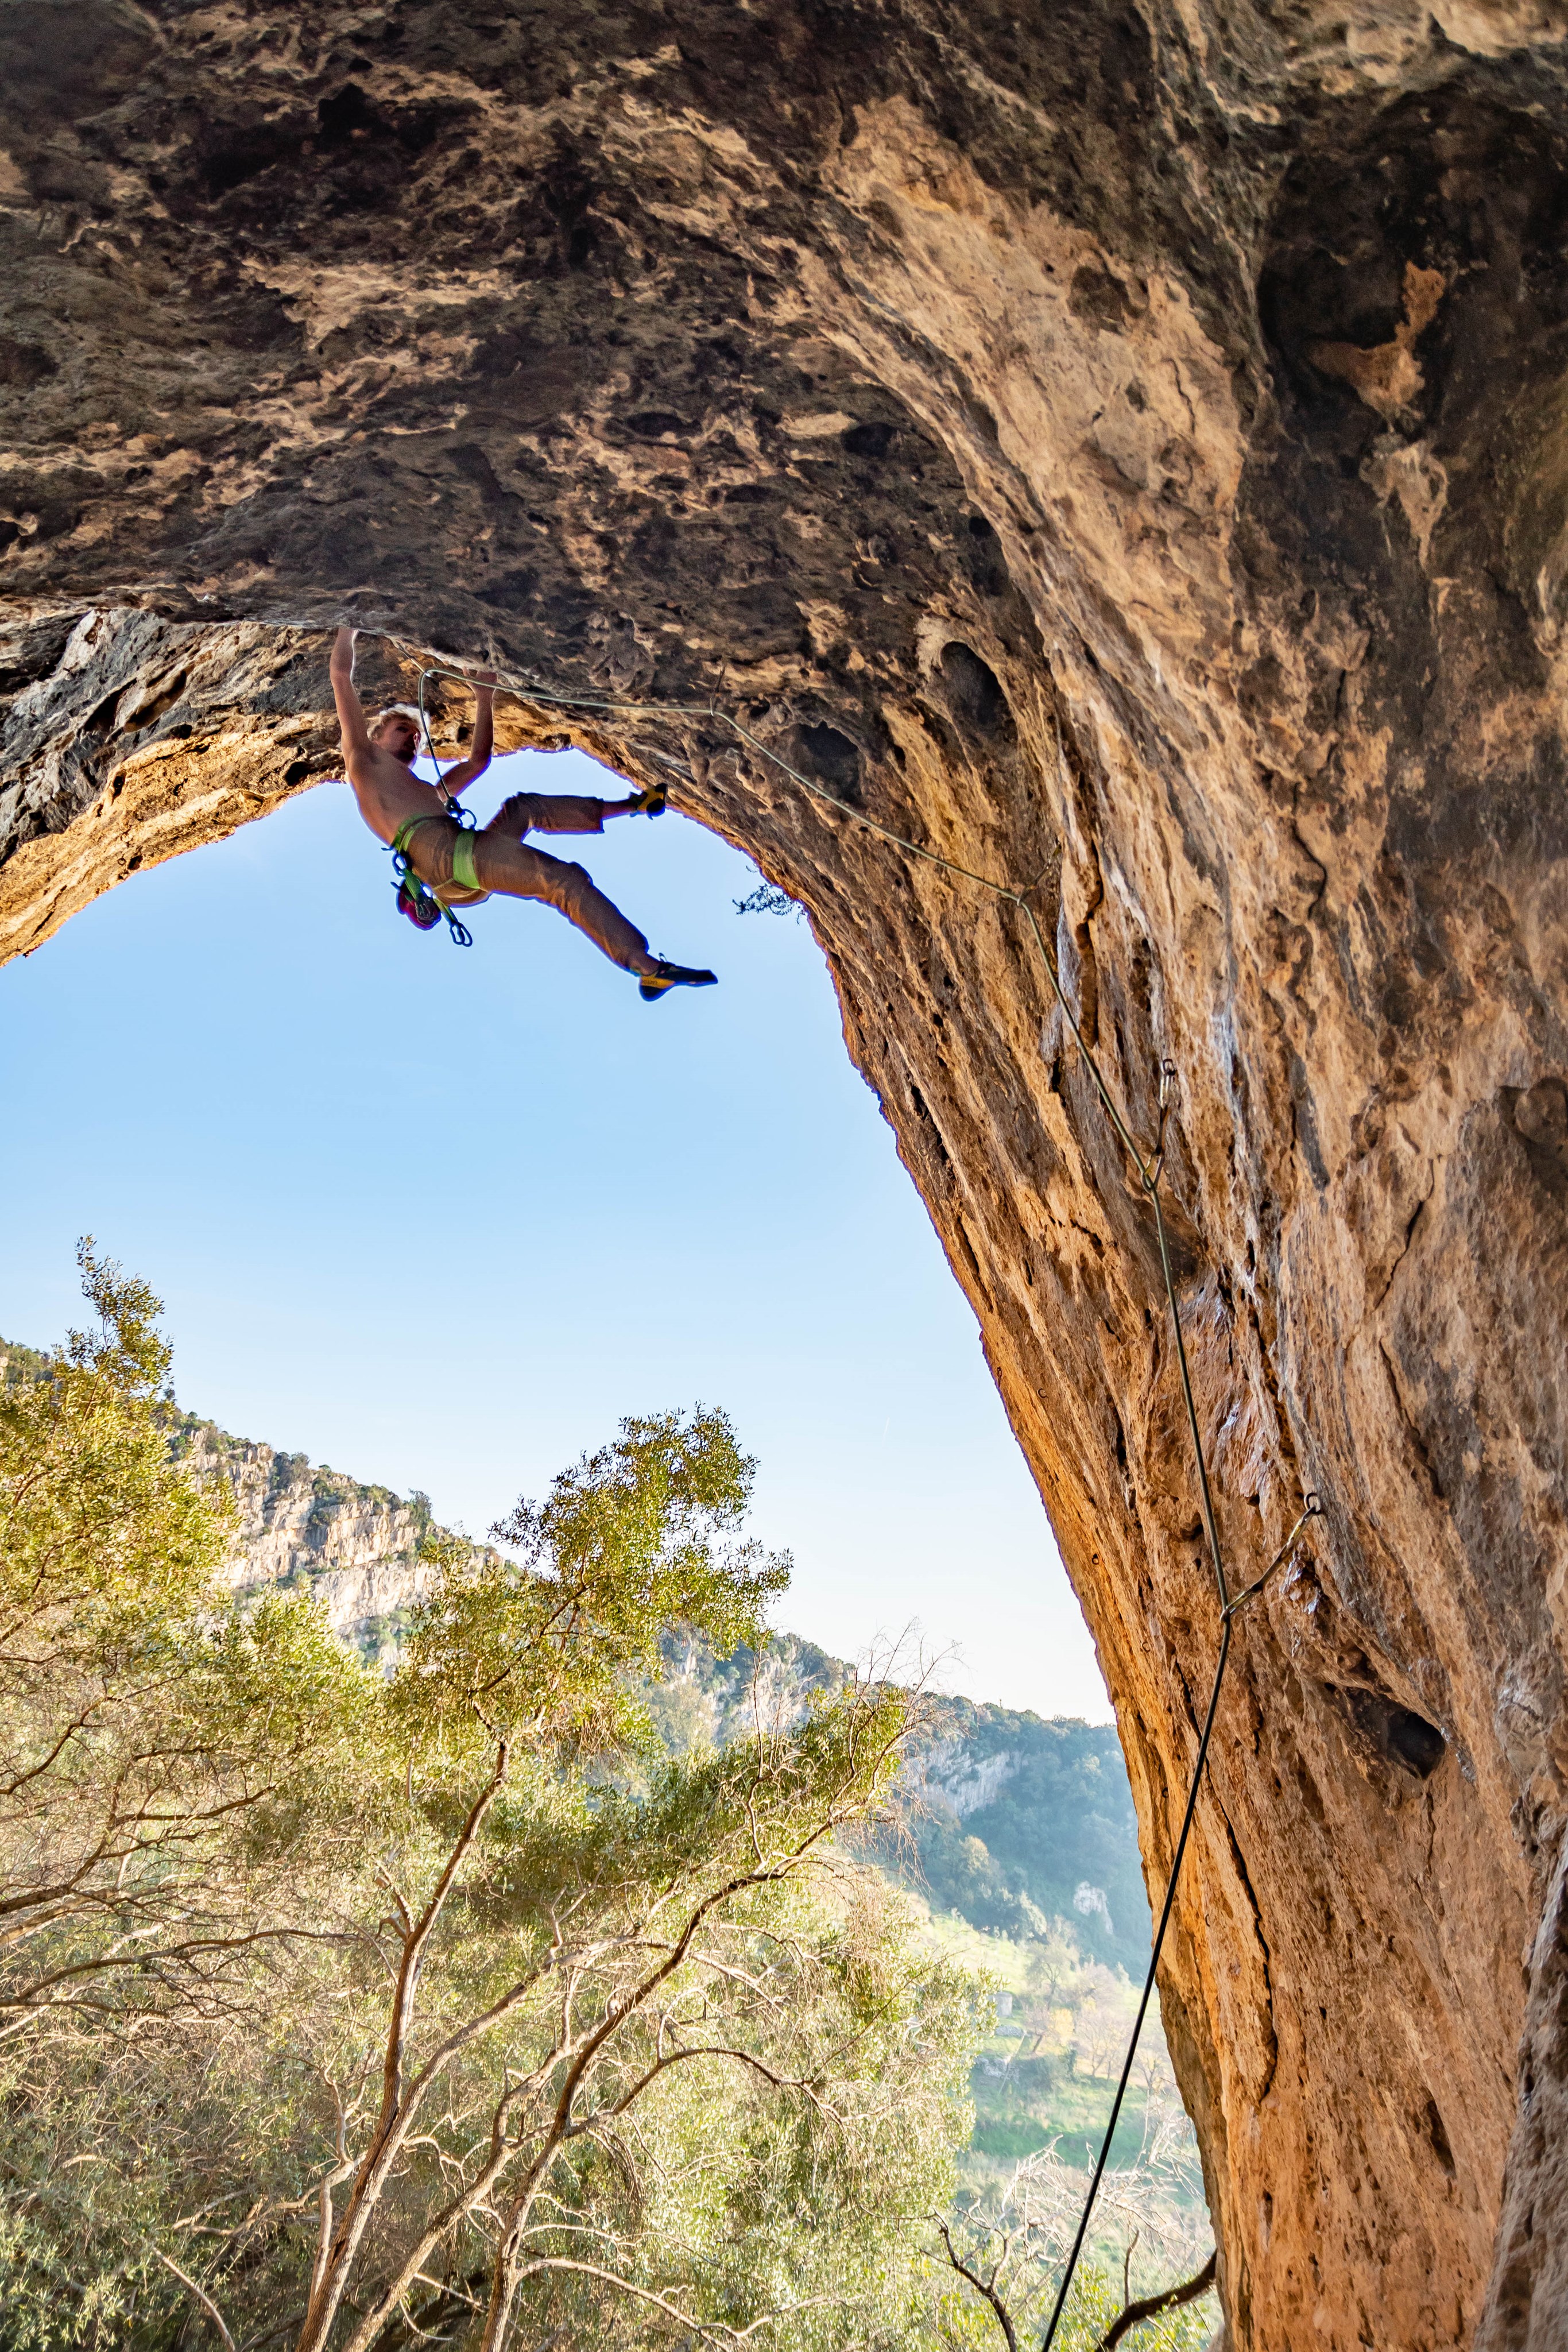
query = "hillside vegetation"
x=653 y=1930
x=1016 y=1835
x=1012 y=1820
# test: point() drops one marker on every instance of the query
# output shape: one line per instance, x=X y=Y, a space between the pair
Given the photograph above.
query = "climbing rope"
x=1150 y=1175
x=415 y=898
x=460 y=815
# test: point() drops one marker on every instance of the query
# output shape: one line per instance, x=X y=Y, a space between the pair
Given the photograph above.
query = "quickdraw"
x=415 y=898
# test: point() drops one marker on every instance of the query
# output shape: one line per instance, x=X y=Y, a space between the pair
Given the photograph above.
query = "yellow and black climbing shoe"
x=666 y=976
x=651 y=801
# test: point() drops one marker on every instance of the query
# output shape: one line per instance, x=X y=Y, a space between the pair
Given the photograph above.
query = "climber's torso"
x=388 y=793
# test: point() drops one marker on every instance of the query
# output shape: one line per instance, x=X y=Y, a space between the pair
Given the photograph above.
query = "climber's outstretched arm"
x=350 y=711
x=458 y=777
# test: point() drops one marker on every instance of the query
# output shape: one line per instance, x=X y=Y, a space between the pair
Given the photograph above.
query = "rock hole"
x=1415 y=1744
x=239 y=152
x=869 y=440
x=831 y=759
x=22 y=365
x=1396 y=1735
x=342 y=116
x=1437 y=2131
x=983 y=558
x=652 y=423
x=142 y=714
x=1101 y=300
x=975 y=691
x=1541 y=1115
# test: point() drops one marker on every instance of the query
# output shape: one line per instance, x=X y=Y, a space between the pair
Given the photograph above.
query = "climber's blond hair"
x=396 y=710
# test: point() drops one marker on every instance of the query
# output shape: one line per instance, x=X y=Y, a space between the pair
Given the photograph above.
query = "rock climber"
x=458 y=868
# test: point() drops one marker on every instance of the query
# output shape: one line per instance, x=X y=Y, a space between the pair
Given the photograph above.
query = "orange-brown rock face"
x=1126 y=450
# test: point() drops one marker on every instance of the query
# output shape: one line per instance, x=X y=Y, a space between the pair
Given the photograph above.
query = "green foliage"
x=158 y=1753
x=350 y=2005
x=102 y=1543
x=628 y=1541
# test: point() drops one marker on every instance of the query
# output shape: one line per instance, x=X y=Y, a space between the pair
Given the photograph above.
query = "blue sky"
x=441 y=1218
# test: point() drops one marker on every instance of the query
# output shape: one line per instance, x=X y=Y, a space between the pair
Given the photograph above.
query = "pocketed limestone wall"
x=1125 y=451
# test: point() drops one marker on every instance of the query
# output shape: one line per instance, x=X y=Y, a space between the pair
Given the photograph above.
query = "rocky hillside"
x=1012 y=1820
x=356 y=1548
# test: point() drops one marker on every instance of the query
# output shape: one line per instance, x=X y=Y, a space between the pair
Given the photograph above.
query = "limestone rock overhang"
x=1126 y=450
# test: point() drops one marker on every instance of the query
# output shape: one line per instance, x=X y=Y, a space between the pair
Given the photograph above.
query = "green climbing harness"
x=415 y=898
x=464 y=870
x=425 y=906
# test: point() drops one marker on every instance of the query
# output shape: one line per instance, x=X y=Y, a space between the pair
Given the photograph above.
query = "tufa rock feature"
x=1126 y=450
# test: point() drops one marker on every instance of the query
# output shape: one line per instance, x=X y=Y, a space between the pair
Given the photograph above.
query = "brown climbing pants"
x=507 y=867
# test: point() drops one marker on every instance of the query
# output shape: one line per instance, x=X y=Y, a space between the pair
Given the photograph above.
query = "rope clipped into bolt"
x=1151 y=1177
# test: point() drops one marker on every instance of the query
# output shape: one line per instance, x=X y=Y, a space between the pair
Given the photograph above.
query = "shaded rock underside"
x=1126 y=450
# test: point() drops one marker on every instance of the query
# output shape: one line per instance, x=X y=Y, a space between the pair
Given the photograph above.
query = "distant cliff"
x=300 y=1523
x=356 y=1548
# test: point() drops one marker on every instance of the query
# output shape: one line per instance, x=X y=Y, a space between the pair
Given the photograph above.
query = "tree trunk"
x=1125 y=452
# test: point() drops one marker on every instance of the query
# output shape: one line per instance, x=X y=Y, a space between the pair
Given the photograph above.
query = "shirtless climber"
x=462 y=868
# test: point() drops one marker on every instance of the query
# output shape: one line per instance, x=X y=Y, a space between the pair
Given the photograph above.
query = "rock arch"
x=1200 y=375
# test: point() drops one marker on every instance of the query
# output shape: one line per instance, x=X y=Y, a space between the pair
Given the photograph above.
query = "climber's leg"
x=548 y=813
x=493 y=861
x=513 y=871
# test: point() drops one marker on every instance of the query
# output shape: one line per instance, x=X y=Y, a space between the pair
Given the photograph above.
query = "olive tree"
x=650 y=2031
x=347 y=2008
x=162 y=1753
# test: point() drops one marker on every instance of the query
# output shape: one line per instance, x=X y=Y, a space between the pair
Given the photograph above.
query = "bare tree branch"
x=199 y=2293
x=332 y=2274
x=1149 y=2306
x=1004 y=2317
